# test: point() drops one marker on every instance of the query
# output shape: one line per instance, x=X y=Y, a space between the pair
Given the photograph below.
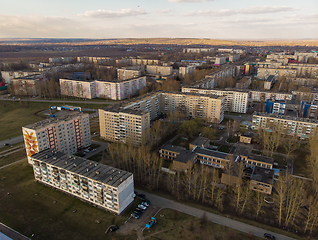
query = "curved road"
x=240 y=226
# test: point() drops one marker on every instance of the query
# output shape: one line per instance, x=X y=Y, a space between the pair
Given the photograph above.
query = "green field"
x=32 y=208
x=14 y=115
x=172 y=224
x=16 y=156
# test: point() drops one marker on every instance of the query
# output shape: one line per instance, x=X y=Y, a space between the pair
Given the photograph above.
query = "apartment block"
x=186 y=70
x=78 y=88
x=9 y=75
x=209 y=107
x=159 y=70
x=301 y=127
x=26 y=86
x=276 y=107
x=260 y=96
x=125 y=125
x=234 y=57
x=67 y=133
x=118 y=90
x=264 y=73
x=220 y=60
x=103 y=186
x=234 y=101
x=197 y=50
x=125 y=74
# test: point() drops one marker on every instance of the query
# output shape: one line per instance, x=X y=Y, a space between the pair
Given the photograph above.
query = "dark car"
x=135 y=215
x=269 y=236
x=140 y=195
x=139 y=209
x=138 y=212
x=6 y=144
x=146 y=200
x=113 y=228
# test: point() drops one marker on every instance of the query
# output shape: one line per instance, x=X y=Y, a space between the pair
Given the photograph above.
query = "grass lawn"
x=29 y=209
x=21 y=154
x=97 y=157
x=225 y=148
x=94 y=126
x=172 y=224
x=182 y=142
x=13 y=115
x=233 y=139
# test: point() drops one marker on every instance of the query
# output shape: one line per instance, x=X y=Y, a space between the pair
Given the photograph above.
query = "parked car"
x=269 y=236
x=142 y=207
x=140 y=195
x=139 y=209
x=138 y=212
x=135 y=215
x=146 y=200
x=6 y=144
x=145 y=204
x=113 y=228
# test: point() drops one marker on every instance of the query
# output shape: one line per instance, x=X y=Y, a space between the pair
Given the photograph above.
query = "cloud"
x=101 y=13
x=164 y=11
x=189 y=1
x=251 y=10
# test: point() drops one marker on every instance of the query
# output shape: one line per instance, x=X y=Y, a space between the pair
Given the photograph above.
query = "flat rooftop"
x=185 y=156
x=199 y=141
x=286 y=117
x=263 y=175
x=83 y=167
x=172 y=148
x=212 y=153
x=63 y=116
x=261 y=158
x=117 y=108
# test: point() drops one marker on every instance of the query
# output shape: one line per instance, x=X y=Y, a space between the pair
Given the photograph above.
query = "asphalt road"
x=11 y=141
x=243 y=227
x=54 y=100
x=11 y=233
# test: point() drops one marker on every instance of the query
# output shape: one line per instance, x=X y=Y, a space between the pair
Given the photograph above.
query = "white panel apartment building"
x=115 y=90
x=77 y=88
x=302 y=127
x=118 y=90
x=263 y=96
x=159 y=70
x=235 y=101
x=186 y=70
x=67 y=133
x=131 y=121
x=105 y=187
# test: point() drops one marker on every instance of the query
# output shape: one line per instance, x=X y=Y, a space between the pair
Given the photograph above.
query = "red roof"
x=2 y=84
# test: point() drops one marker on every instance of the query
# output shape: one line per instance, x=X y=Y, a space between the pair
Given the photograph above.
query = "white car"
x=142 y=207
x=145 y=204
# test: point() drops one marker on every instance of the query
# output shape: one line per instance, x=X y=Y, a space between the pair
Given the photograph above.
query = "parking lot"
x=133 y=224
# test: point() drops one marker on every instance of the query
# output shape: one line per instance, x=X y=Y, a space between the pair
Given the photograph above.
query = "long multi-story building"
x=302 y=127
x=183 y=70
x=159 y=70
x=78 y=88
x=234 y=100
x=103 y=186
x=118 y=90
x=264 y=95
x=125 y=74
x=68 y=133
x=131 y=121
x=115 y=90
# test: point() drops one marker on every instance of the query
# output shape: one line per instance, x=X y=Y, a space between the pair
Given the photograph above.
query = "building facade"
x=68 y=133
x=128 y=126
x=159 y=70
x=105 y=187
x=234 y=101
x=302 y=127
x=78 y=88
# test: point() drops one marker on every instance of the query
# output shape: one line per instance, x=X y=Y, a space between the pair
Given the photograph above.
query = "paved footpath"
x=240 y=226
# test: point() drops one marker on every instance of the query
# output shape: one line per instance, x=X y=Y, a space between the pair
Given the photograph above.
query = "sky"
x=213 y=19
